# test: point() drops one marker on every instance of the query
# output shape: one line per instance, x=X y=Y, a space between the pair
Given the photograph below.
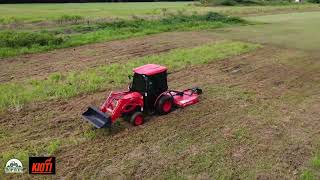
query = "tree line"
x=77 y=1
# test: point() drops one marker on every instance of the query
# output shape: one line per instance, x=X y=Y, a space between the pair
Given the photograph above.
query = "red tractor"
x=148 y=94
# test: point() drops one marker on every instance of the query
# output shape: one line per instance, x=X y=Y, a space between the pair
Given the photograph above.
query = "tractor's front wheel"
x=137 y=119
x=164 y=105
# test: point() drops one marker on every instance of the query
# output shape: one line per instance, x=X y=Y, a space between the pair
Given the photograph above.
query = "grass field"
x=294 y=30
x=44 y=12
x=52 y=26
x=258 y=116
x=29 y=13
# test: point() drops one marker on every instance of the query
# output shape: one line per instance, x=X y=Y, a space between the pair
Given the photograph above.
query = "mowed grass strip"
x=14 y=43
x=58 y=85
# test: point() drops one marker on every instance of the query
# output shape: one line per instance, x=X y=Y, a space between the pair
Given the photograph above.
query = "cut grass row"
x=58 y=85
x=15 y=43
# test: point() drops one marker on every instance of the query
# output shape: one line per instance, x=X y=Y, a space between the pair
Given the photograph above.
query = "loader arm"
x=116 y=104
x=119 y=103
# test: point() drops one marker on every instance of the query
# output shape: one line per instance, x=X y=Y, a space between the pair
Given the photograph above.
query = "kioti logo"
x=42 y=165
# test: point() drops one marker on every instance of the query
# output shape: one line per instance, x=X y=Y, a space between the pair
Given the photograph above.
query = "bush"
x=9 y=20
x=213 y=16
x=209 y=17
x=170 y=21
x=245 y=2
x=69 y=18
x=14 y=39
x=228 y=2
x=314 y=1
x=232 y=2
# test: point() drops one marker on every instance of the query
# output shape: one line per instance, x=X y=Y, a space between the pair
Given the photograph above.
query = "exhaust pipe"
x=97 y=118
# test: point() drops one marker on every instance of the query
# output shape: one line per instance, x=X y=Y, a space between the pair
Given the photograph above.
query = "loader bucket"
x=97 y=118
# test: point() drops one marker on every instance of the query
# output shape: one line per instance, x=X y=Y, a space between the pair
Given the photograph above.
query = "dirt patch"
x=79 y=58
x=243 y=127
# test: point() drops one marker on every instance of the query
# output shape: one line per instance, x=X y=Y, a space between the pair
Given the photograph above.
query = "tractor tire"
x=164 y=105
x=137 y=119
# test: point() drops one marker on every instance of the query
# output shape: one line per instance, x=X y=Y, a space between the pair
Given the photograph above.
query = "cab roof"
x=150 y=69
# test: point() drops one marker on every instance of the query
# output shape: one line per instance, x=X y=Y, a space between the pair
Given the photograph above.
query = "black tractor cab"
x=150 y=81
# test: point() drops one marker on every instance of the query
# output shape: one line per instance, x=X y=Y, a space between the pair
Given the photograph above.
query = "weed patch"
x=316 y=161
x=69 y=19
x=13 y=43
x=4 y=134
x=90 y=134
x=245 y=2
x=21 y=155
x=13 y=39
x=9 y=20
x=307 y=175
x=312 y=172
x=53 y=146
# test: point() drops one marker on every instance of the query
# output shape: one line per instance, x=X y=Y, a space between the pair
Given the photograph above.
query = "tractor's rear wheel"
x=137 y=119
x=164 y=105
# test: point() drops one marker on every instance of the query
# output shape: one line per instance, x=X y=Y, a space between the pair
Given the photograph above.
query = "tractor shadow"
x=123 y=125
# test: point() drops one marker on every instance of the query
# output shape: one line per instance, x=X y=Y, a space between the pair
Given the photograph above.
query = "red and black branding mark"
x=42 y=165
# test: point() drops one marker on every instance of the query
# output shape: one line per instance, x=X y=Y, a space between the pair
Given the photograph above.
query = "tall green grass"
x=58 y=85
x=69 y=19
x=312 y=172
x=15 y=43
x=13 y=39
